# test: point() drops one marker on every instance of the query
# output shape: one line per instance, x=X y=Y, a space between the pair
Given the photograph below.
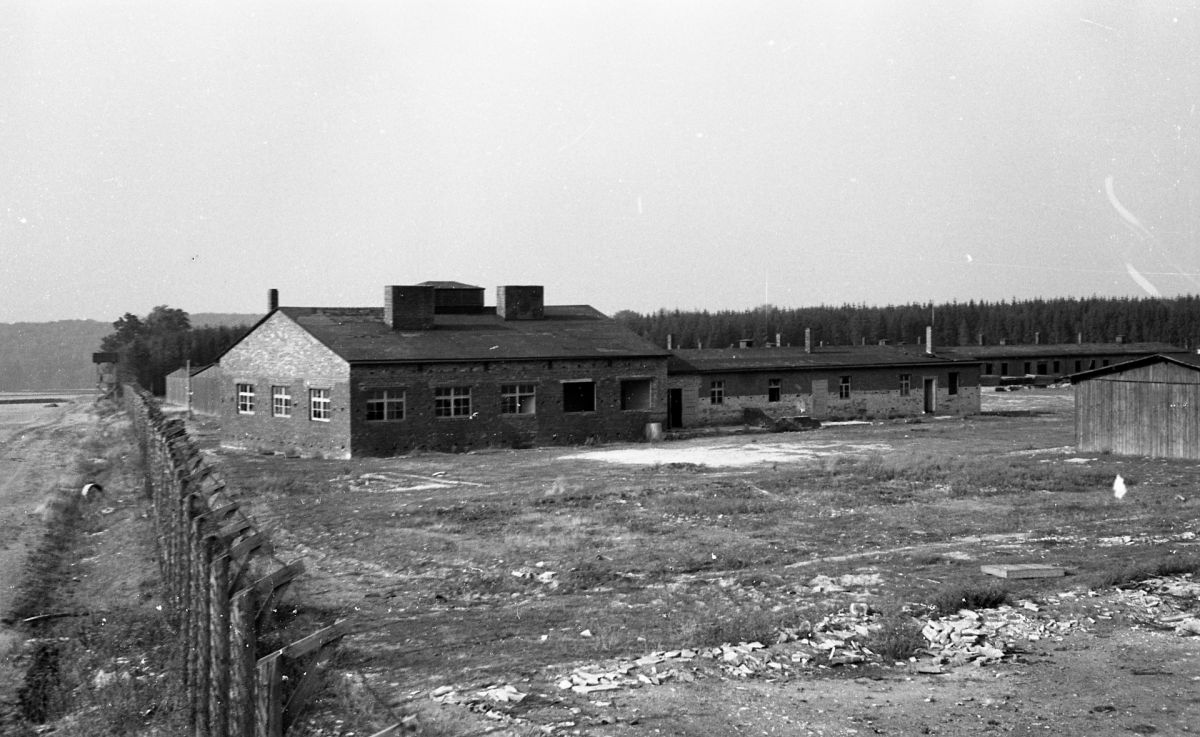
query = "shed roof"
x=1192 y=362
x=713 y=360
x=359 y=335
x=1051 y=350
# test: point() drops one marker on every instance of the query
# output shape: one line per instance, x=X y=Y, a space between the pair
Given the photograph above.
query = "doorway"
x=931 y=395
x=674 y=408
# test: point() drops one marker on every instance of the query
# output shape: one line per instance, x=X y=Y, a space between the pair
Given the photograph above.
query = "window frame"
x=905 y=385
x=391 y=398
x=518 y=398
x=452 y=402
x=244 y=398
x=281 y=409
x=320 y=404
x=716 y=391
x=774 y=390
x=844 y=386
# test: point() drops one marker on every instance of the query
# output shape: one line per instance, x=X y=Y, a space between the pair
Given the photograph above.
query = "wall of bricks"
x=280 y=353
x=487 y=426
x=874 y=394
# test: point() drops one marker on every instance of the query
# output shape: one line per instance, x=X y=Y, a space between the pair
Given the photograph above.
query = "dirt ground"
x=484 y=583
x=38 y=441
x=424 y=551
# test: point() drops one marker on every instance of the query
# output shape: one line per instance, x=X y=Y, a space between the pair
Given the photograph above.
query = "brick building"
x=435 y=368
x=718 y=386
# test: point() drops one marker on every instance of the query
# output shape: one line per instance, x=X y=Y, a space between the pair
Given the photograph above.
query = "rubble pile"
x=980 y=638
x=1168 y=602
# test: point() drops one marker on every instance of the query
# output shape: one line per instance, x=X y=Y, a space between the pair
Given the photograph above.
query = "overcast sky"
x=629 y=155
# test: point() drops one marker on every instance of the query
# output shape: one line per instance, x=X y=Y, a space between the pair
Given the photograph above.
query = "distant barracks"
x=434 y=368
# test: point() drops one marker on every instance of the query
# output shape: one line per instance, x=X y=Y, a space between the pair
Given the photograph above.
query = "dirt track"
x=37 y=448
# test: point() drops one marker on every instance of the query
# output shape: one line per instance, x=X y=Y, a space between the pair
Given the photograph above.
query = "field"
x=588 y=590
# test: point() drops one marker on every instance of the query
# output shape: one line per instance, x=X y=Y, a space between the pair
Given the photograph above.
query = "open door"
x=674 y=408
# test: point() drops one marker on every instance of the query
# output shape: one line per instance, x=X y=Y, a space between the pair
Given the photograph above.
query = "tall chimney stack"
x=670 y=342
x=272 y=300
x=808 y=340
x=929 y=340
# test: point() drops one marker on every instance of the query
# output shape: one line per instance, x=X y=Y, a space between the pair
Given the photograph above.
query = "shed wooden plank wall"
x=1148 y=413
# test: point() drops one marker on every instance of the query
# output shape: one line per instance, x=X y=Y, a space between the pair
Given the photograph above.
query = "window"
x=905 y=384
x=579 y=396
x=774 y=390
x=1042 y=368
x=384 y=405
x=1078 y=365
x=518 y=399
x=1057 y=367
x=281 y=401
x=452 y=401
x=318 y=405
x=988 y=368
x=1004 y=369
x=844 y=388
x=245 y=399
x=1028 y=367
x=952 y=385
x=716 y=392
x=636 y=394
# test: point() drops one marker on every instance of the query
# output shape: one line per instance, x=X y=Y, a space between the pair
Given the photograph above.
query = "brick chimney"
x=808 y=340
x=520 y=302
x=272 y=300
x=929 y=340
x=408 y=307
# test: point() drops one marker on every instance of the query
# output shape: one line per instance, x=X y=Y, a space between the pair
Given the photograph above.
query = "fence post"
x=243 y=644
x=268 y=696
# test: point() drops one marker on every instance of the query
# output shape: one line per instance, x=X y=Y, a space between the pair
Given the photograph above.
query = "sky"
x=691 y=154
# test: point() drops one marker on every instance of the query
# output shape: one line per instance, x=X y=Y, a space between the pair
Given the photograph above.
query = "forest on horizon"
x=1064 y=320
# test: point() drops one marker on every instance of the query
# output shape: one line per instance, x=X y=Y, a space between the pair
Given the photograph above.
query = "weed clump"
x=898 y=637
x=949 y=601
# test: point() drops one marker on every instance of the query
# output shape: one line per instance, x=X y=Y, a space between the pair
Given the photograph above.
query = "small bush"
x=898 y=638
x=949 y=601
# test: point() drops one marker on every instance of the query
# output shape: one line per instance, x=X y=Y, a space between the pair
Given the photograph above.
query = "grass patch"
x=1131 y=573
x=949 y=601
x=897 y=638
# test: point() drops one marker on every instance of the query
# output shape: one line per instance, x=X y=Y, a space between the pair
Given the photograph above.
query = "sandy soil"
x=36 y=456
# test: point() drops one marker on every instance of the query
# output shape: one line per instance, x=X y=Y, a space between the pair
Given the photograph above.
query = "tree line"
x=150 y=348
x=1062 y=320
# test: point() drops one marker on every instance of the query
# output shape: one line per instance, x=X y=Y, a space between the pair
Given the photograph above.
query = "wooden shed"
x=1149 y=406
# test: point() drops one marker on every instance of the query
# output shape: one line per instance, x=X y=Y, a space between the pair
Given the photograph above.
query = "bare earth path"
x=37 y=448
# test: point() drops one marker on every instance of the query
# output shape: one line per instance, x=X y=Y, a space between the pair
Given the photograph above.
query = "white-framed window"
x=518 y=399
x=774 y=390
x=716 y=392
x=905 y=384
x=281 y=401
x=579 y=396
x=319 y=405
x=452 y=401
x=245 y=399
x=384 y=405
x=844 y=387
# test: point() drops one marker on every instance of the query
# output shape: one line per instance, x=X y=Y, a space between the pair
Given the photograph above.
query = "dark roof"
x=359 y=335
x=1051 y=350
x=447 y=285
x=700 y=360
x=1191 y=361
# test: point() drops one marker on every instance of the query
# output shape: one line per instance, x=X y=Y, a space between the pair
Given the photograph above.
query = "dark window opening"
x=579 y=396
x=844 y=388
x=635 y=394
x=774 y=390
